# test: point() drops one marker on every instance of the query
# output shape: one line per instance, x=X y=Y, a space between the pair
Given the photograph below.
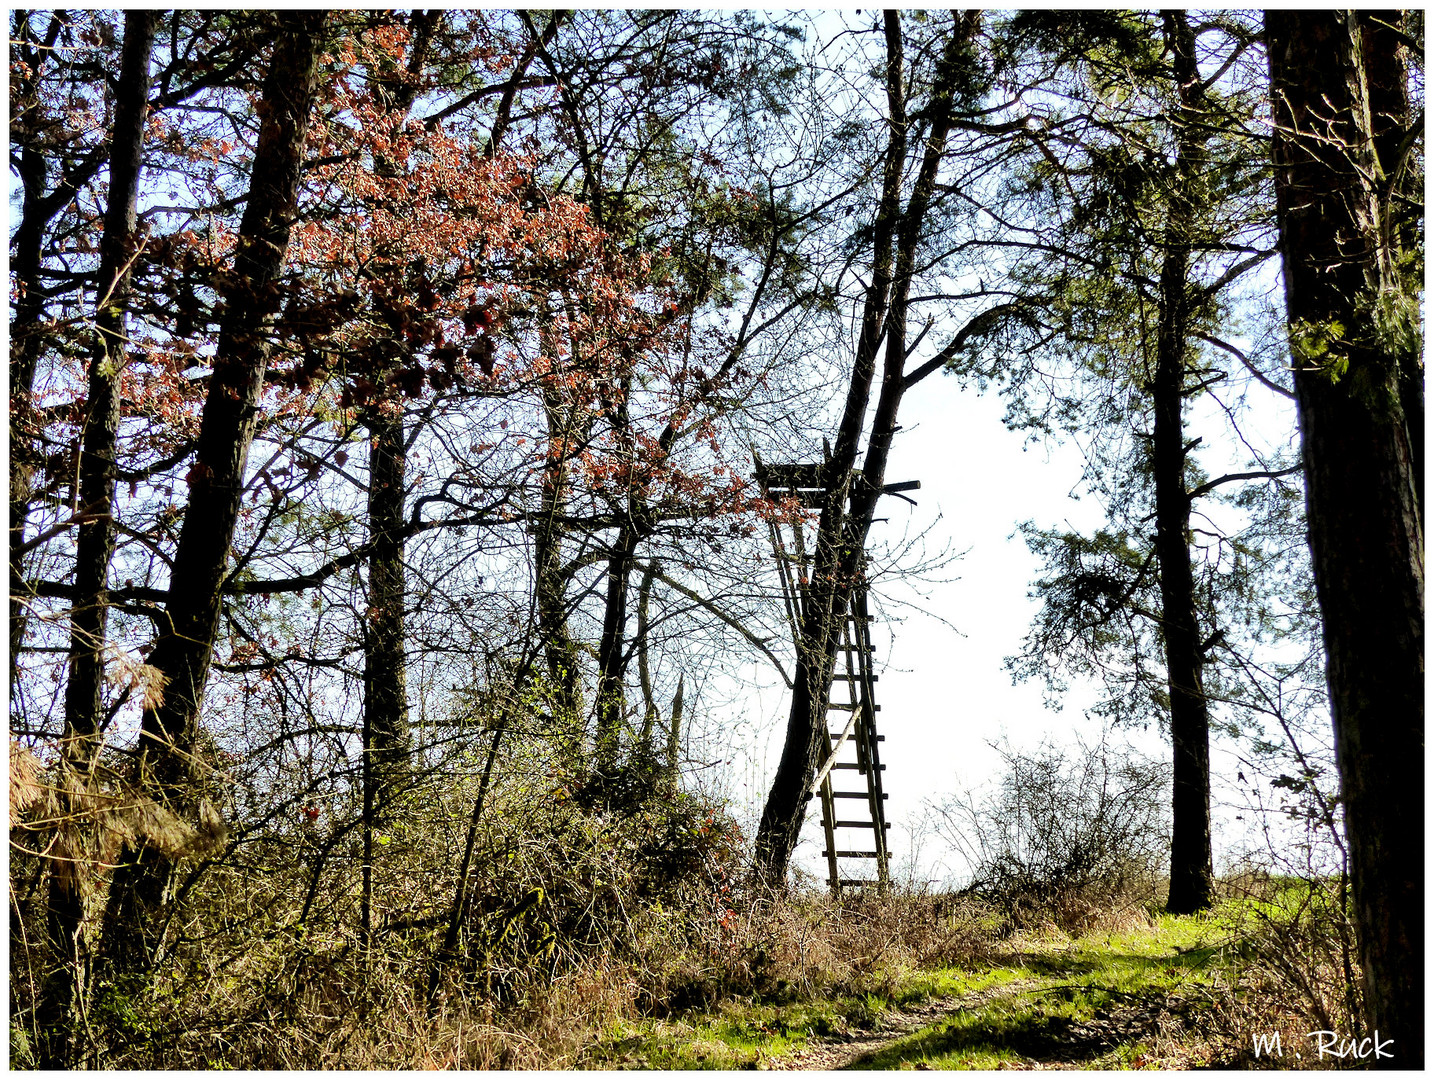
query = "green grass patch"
x=1088 y=1002
x=919 y=986
x=741 y=1035
x=736 y=1035
x=1091 y=1002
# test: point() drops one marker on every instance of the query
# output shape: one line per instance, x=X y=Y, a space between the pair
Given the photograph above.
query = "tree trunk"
x=386 y=736
x=612 y=668
x=560 y=652
x=385 y=666
x=38 y=207
x=63 y=1000
x=1191 y=863
x=786 y=806
x=1366 y=534
x=385 y=671
x=1389 y=116
x=644 y=668
x=95 y=543
x=674 y=733
x=841 y=541
x=134 y=921
x=386 y=748
x=25 y=344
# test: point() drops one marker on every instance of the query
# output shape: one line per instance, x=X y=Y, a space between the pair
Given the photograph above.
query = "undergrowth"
x=585 y=910
x=620 y=928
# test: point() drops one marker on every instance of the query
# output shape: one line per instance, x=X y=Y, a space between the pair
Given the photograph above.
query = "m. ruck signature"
x=1328 y=1044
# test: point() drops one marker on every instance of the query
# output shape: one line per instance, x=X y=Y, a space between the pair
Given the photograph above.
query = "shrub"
x=584 y=910
x=1065 y=835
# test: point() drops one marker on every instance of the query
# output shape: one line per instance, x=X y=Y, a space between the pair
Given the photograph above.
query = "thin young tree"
x=65 y=996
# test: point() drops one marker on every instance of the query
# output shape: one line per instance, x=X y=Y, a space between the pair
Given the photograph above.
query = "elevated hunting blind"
x=849 y=778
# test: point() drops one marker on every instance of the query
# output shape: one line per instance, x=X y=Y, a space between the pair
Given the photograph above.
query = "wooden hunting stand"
x=854 y=822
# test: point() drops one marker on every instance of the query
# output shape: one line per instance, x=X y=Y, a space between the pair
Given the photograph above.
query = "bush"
x=1066 y=835
x=587 y=907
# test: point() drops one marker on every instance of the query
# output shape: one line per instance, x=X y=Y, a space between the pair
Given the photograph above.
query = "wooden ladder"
x=854 y=818
x=854 y=822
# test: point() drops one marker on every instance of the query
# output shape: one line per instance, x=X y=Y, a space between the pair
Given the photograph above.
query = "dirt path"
x=841 y=1051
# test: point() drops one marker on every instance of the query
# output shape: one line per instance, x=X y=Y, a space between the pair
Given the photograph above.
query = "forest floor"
x=1142 y=998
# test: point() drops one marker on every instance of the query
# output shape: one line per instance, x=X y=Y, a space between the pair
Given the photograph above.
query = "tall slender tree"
x=56 y=152
x=166 y=763
x=1191 y=860
x=1138 y=202
x=898 y=229
x=66 y=991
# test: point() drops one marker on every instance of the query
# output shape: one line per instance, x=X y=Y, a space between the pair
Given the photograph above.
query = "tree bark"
x=95 y=542
x=566 y=431
x=386 y=748
x=612 y=667
x=63 y=1000
x=1365 y=529
x=25 y=343
x=134 y=921
x=1191 y=862
x=674 y=733
x=1389 y=114
x=386 y=734
x=644 y=668
x=385 y=667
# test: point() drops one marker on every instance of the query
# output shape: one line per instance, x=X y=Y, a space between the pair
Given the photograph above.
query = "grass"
x=1099 y=1001
x=1092 y=1002
x=733 y=1036
x=752 y=1033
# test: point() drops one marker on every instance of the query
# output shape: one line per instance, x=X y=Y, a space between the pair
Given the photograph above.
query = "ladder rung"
x=857 y=825
x=853 y=854
x=854 y=765
x=854 y=795
x=854 y=678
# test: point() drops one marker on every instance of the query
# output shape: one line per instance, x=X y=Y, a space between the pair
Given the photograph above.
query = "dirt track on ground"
x=842 y=1051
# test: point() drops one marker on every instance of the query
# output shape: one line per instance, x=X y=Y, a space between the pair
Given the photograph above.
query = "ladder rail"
x=877 y=797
